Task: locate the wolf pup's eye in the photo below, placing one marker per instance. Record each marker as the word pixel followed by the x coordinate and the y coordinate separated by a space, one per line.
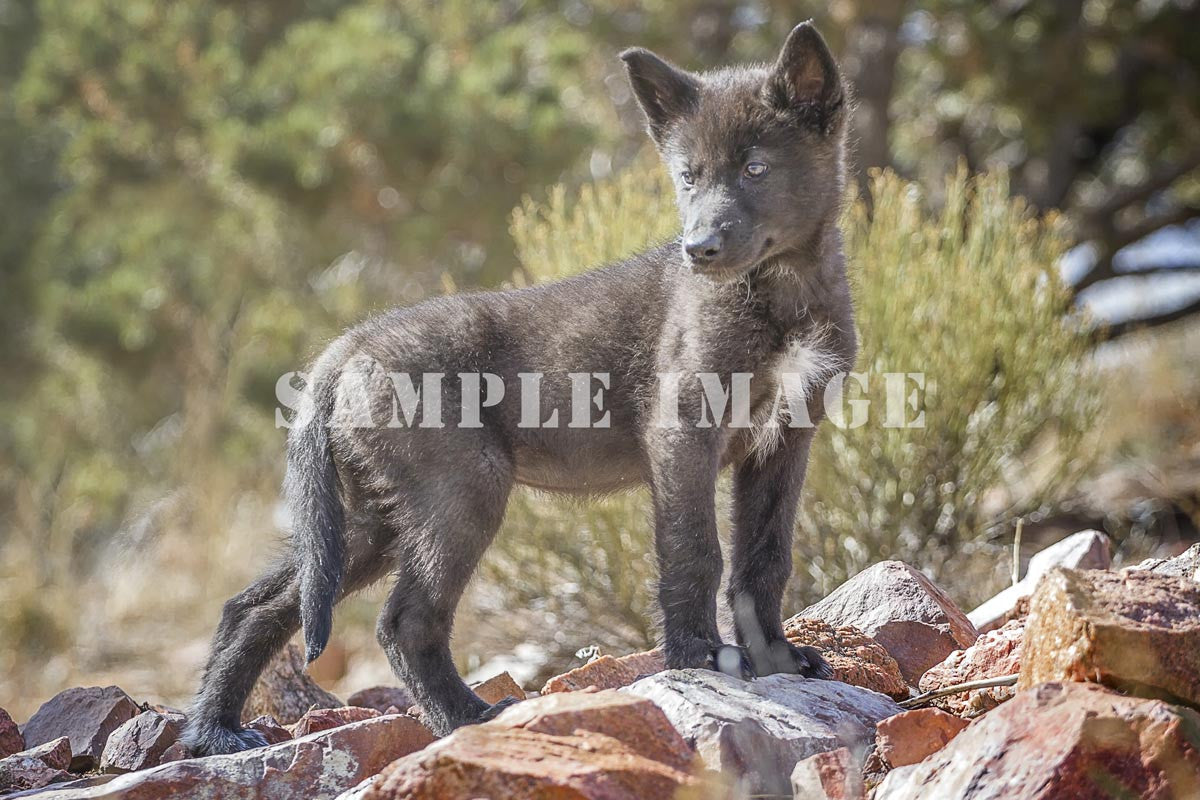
pixel 756 169
pixel 687 177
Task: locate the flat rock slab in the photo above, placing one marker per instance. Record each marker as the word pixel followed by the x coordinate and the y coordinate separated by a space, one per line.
pixel 995 654
pixel 1073 740
pixel 86 716
pixel 899 607
pixel 317 766
pixel 1135 631
pixel 285 691
pixel 587 744
pixel 756 731
pixel 855 658
pixel 1083 550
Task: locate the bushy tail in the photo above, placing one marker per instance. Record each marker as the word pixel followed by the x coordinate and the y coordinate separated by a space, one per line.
pixel 318 520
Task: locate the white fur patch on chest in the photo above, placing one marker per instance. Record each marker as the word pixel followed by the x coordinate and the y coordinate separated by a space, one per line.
pixel 804 367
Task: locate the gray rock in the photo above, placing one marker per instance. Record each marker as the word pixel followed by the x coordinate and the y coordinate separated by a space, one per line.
pixel 1184 565
pixel 899 607
pixel 1083 550
pixel 141 742
pixel 758 730
pixel 85 715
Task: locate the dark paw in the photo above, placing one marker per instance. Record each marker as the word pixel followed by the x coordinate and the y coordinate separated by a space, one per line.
pixel 782 656
pixel 734 661
pixel 496 709
pixel 215 740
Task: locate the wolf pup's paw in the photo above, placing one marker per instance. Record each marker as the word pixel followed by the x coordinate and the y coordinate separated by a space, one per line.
pixel 215 740
pixel 734 661
pixel 783 656
pixel 496 709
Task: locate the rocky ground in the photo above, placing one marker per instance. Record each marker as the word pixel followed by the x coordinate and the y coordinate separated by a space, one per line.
pixel 1079 682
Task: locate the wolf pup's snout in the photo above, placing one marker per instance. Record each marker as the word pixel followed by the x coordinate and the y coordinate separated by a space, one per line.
pixel 703 246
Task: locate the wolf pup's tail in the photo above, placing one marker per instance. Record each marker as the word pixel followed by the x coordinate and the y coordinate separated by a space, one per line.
pixel 318 518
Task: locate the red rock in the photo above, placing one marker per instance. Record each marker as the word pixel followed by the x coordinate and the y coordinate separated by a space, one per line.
pixel 322 719
pixel 497 688
pixel 901 609
pixel 1074 740
pixel 140 742
pixel 995 654
pixel 85 715
pixel 11 740
pixel 1136 631
pixel 382 698
pixel 856 658
pixel 579 745
pixel 36 767
pixel 915 735
pixel 832 775
pixel 1083 550
pixel 607 672
pixel 320 765
pixel 177 752
pixel 270 728
pixel 285 691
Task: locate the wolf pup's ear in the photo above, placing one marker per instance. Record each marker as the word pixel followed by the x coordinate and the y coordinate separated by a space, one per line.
pixel 805 81
pixel 664 91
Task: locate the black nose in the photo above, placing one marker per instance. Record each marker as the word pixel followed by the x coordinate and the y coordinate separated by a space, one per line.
pixel 702 247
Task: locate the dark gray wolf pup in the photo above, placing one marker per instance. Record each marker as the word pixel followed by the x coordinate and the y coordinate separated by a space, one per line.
pixel 755 285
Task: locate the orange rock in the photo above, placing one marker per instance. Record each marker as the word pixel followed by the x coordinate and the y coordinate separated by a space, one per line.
pixel 915 735
pixel 1135 631
pixel 580 745
pixel 832 775
pixel 1072 740
pixel 856 658
pixel 322 719
pixel 498 687
pixel 995 654
pixel 607 672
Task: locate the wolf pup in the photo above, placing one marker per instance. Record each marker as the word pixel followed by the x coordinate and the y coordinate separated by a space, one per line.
pixel 755 285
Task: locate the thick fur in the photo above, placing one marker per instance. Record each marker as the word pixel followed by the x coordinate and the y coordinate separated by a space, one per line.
pixel 765 294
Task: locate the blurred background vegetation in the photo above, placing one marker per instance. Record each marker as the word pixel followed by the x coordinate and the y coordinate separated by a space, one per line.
pixel 194 196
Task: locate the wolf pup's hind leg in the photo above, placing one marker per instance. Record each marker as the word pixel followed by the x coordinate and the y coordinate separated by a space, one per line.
pixel 255 625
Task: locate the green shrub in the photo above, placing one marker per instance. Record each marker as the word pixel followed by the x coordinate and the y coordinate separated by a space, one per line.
pixel 968 294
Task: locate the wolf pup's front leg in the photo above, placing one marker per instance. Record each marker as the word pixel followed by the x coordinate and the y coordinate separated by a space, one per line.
pixel 766 491
pixel 684 474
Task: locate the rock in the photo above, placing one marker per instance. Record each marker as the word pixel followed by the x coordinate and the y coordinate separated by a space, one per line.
pixel 856 658
pixel 497 688
pixel 574 745
pixel 833 775
pixel 85 715
pixel 178 752
pixel 1083 550
pixel 604 672
pixel 271 730
pixel 913 736
pixel 322 719
pixel 140 742
pixel 995 654
pixel 381 698
pixel 317 766
pixel 1135 631
pixel 11 740
pixel 901 609
pixel 1073 740
pixel 1184 565
pixel 645 663
pixel 758 730
pixel 36 767
pixel 285 691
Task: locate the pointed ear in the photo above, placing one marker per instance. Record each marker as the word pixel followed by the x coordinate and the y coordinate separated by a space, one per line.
pixel 805 80
pixel 664 91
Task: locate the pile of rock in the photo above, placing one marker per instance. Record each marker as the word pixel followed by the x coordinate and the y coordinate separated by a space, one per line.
pixel 1106 666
